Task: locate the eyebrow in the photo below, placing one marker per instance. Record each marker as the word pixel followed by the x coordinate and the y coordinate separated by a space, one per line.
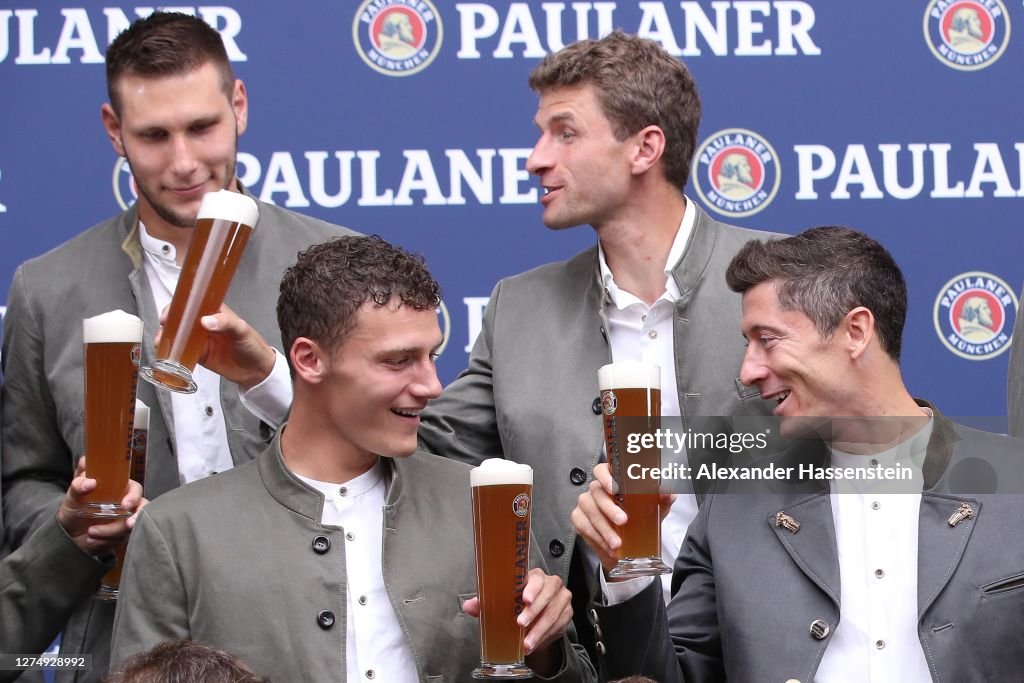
pixel 560 117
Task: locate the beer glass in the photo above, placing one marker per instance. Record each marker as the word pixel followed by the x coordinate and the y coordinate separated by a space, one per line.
pixel 631 398
pixel 223 226
pixel 111 582
pixel 112 348
pixel 501 522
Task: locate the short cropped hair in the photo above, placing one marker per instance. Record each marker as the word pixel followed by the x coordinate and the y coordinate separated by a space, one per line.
pixel 322 292
pixel 638 84
pixel 825 273
pixel 166 44
pixel 184 661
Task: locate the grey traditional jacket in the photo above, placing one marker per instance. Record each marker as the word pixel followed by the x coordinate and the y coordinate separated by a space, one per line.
pixel 237 561
pixel 42 405
pixel 40 584
pixel 754 601
pixel 530 393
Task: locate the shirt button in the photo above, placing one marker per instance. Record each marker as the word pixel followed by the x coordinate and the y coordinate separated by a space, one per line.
pixel 875 505
pixel 653 334
pixel 362 599
pixel 879 644
pixel 209 411
pixel 577 476
pixel 556 547
pixel 879 573
pixel 321 544
pixel 166 248
pixel 343 491
pixel 325 619
pixel 350 536
pixel 874 462
pixel 370 673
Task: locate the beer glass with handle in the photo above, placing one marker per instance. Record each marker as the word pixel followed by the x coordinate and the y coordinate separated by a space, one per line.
pixel 631 401
pixel 502 493
pixel 223 226
pixel 111 582
pixel 112 345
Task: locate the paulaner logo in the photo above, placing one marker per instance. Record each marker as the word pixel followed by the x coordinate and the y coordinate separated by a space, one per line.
pixel 975 314
pixel 966 34
pixel 397 37
pixel 736 172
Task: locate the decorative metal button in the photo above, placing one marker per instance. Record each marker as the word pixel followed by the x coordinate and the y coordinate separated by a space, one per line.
pixel 556 547
pixel 321 544
pixel 600 648
pixel 596 406
pixel 577 476
pixel 819 629
pixel 325 619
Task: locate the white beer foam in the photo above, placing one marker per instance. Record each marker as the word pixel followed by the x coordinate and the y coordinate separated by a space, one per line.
pixel 494 471
pixel 229 206
pixel 113 326
pixel 629 374
pixel 141 416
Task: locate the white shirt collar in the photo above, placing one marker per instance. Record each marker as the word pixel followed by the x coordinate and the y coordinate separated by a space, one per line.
pixel 163 252
pixel 350 489
pixel 675 255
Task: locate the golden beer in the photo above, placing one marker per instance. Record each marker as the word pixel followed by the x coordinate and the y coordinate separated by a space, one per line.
pixel 502 493
pixel 632 390
pixel 112 345
pixel 111 582
pixel 223 226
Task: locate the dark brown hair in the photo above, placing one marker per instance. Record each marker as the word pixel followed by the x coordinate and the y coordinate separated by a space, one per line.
pixel 184 661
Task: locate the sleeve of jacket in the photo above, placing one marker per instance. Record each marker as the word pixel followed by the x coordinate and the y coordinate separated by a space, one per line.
pixel 576 664
pixel 153 606
pixel 462 423
pixel 680 642
pixel 40 585
pixel 37 465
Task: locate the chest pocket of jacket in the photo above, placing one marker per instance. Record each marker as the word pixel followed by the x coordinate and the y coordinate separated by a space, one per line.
pixel 1009 584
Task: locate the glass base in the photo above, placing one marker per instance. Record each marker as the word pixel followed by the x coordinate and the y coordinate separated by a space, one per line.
pixel 170 375
pixel 107 593
pixel 103 511
pixel 639 566
pixel 507 671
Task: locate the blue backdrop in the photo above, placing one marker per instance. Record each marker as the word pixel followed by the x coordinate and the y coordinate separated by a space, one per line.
pixel 898 118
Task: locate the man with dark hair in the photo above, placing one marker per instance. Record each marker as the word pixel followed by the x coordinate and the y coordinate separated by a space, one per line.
pixel 175 114
pixel 618 122
pixel 340 553
pixel 184 661
pixel 846 577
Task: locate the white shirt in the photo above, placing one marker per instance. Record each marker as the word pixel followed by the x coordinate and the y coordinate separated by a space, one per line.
pixel 200 435
pixel 876 524
pixel 375 646
pixel 644 333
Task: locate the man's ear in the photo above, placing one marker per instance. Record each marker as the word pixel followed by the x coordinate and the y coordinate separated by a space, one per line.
pixel 309 360
pixel 859 326
pixel 112 124
pixel 650 146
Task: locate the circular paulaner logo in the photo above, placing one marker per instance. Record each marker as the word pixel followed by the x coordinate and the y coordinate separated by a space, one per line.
pixel 609 402
pixel 521 505
pixel 966 34
pixel 974 315
pixel 736 172
pixel 137 355
pixel 126 192
pixel 397 37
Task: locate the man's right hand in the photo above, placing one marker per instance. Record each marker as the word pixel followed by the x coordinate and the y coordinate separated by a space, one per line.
pixel 598 517
pixel 96 536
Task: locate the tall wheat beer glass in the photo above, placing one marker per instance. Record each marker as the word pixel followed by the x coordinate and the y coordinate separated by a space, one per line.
pixel 631 399
pixel 502 491
pixel 111 582
pixel 112 348
pixel 223 226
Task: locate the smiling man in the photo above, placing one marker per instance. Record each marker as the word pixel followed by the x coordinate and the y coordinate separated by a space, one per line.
pixel 175 113
pixel 839 580
pixel 340 554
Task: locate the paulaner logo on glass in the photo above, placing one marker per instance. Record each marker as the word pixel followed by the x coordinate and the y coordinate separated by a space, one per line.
pixel 675 441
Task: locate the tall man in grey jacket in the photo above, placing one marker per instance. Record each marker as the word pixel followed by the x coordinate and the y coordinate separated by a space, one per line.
pixel 340 554
pixel 618 122
pixel 833 579
pixel 175 113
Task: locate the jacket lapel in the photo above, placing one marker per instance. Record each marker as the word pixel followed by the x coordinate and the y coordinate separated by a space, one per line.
pixel 941 542
pixel 813 546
